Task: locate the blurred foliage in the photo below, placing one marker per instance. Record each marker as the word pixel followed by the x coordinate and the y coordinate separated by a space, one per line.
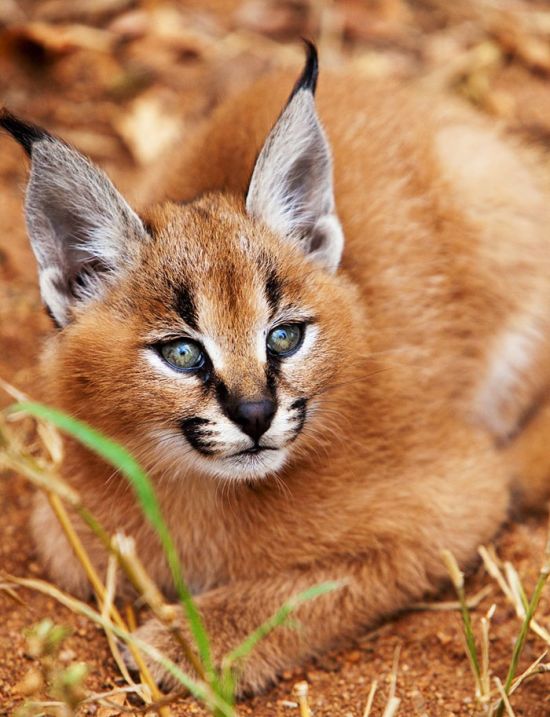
pixel 121 77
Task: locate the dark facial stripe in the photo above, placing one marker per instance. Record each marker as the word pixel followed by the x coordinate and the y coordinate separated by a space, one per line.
pixel 272 371
pixel 273 292
pixel 185 306
pixel 194 430
pixel 223 396
pixel 300 407
pixel 221 391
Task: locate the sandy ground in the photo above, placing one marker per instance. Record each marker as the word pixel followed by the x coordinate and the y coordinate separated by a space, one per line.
pixel 102 78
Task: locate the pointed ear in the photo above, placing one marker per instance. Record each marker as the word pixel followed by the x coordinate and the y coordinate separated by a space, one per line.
pixel 291 186
pixel 81 229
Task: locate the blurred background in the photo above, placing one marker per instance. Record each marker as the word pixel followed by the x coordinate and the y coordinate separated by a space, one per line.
pixel 125 79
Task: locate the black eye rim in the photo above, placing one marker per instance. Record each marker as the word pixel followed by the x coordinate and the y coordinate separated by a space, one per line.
pixel 158 346
pixel 300 325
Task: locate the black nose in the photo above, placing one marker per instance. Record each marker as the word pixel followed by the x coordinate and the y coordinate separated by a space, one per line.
pixel 254 417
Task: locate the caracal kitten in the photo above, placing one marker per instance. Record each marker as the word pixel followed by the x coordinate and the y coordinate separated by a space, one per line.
pixel 329 376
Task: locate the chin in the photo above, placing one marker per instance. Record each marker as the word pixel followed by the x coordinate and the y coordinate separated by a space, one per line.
pixel 164 455
pixel 245 467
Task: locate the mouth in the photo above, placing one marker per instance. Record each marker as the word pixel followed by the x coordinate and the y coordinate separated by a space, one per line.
pixel 254 462
pixel 253 451
pixel 249 464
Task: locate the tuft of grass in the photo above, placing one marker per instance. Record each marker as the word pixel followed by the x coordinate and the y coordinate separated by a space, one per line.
pixel 121 459
pixel 512 587
pixel 214 686
pixel 525 626
pixel 457 578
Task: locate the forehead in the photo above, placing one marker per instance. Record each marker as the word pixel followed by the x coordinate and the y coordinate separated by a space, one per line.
pixel 211 263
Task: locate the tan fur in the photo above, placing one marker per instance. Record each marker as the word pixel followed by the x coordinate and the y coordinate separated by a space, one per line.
pixel 433 348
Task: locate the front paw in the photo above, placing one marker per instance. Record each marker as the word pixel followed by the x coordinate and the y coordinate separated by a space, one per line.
pixel 155 634
pixel 255 674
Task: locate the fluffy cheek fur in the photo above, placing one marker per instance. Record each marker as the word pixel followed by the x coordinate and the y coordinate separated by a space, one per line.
pixel 154 402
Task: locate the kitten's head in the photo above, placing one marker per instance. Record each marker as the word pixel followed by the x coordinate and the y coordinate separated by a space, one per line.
pixel 205 335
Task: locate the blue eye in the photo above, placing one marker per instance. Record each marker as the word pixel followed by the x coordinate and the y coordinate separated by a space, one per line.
pixel 182 354
pixel 285 339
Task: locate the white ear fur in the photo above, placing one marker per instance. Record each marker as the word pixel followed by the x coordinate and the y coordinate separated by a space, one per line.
pixel 291 186
pixel 81 229
pixel 79 225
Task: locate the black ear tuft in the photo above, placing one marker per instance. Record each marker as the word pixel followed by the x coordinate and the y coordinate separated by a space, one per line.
pixel 308 78
pixel 25 134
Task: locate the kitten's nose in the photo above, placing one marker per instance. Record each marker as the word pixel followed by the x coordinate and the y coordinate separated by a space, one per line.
pixel 254 417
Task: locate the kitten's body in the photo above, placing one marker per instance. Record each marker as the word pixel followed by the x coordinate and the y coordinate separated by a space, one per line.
pixel 425 373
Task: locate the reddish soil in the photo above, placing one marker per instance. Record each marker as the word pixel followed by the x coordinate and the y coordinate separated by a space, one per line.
pixel 103 92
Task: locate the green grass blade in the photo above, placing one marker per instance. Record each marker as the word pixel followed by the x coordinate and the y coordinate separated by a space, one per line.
pixel 242 651
pixel 278 618
pixel 524 631
pixel 119 457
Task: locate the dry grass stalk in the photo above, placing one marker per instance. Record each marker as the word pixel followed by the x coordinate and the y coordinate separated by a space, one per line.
pixel 8 589
pixel 391 707
pixel 514 596
pixel 106 610
pixel 302 689
pixel 525 609
pixel 485 676
pixel 131 619
pixel 101 594
pixel 516 587
pixel 451 605
pixel 199 688
pixel 504 698
pixel 394 672
pixel 56 489
pixel 535 668
pixel 457 578
pixel 530 610
pixel 370 698
pixel 124 548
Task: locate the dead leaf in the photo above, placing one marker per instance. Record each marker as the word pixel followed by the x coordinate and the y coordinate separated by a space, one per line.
pixel 10 12
pixel 149 128
pixel 281 19
pixel 108 711
pixel 87 10
pixel 95 144
pixel 60 39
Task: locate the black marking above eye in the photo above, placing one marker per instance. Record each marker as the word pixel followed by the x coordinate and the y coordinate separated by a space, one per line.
pixel 194 429
pixel 273 290
pixel 185 306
